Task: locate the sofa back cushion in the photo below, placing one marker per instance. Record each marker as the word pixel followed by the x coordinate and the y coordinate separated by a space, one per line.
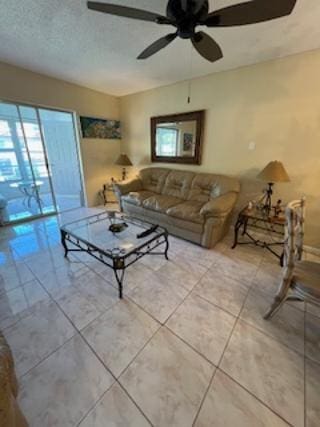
pixel 206 186
pixel 178 184
pixel 153 179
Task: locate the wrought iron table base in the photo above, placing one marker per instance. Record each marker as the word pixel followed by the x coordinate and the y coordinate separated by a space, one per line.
pixel 257 242
pixel 117 263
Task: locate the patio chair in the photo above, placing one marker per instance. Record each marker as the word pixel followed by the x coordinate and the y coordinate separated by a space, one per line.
pixel 301 279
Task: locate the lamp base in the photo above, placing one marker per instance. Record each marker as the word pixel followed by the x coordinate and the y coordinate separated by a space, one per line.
pixel 266 200
pixel 124 174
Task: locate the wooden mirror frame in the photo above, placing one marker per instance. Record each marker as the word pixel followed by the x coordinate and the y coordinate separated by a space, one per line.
pixel 197 116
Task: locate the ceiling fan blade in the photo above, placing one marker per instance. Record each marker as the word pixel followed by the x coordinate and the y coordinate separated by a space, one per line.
pixel 127 12
pixel 207 47
pixel 157 45
pixel 250 12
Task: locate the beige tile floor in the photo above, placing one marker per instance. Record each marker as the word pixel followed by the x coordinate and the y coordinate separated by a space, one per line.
pixel 186 347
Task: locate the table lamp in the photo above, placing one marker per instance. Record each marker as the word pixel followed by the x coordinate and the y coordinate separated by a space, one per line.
pixel 123 160
pixel 272 173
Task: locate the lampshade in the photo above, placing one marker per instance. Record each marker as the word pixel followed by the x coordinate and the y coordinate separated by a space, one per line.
pixel 123 160
pixel 274 172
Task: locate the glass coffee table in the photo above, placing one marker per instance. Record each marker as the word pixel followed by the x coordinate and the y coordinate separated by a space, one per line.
pixel 117 250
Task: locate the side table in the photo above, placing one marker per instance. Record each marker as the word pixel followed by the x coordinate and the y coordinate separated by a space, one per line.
pixel 105 193
pixel 255 219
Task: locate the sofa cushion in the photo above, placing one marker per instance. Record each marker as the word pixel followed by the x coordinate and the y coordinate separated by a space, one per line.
pixel 153 179
pixel 160 202
pixel 207 186
pixel 178 184
pixel 188 211
pixel 137 197
pixel 171 223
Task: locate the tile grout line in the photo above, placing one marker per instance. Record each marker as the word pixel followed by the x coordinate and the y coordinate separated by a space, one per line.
pixel 221 358
pixel 115 381
pixel 190 346
pixel 215 305
pixel 184 299
pixel 224 350
pixel 254 396
pixel 165 321
pixel 96 355
pixel 219 362
pixel 111 373
pixel 204 397
pixel 122 372
pixel 79 332
pixel 251 288
pixel 219 367
pixel 161 326
pixel 48 355
pixel 216 367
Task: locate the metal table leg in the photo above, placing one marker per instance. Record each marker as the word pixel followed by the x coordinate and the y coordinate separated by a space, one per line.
pixel 64 243
pixel 167 246
pixel 118 269
pixel 119 277
pixel 237 227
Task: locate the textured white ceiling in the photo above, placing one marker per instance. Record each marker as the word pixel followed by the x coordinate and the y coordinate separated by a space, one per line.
pixel 63 39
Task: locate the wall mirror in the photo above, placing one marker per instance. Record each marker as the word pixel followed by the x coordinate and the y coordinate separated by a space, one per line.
pixel 177 138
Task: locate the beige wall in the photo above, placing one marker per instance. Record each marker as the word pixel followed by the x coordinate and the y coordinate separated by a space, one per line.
pixel 98 155
pixel 276 105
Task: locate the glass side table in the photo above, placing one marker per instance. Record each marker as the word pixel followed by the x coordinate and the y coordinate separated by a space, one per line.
pixel 254 219
pixel 108 194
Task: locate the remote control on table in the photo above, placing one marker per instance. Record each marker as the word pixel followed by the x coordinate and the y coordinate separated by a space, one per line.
pixel 147 232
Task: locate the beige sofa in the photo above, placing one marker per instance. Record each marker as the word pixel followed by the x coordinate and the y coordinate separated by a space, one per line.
pixel 194 206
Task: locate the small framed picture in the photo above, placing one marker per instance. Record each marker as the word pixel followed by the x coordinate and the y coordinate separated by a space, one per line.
pixel 187 141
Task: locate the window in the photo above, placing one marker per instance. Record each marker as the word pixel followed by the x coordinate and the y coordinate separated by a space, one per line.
pixel 33 137
pixel 167 141
pixel 14 157
pixel 5 136
pixel 9 167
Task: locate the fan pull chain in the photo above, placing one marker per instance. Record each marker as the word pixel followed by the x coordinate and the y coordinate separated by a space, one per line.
pixel 190 75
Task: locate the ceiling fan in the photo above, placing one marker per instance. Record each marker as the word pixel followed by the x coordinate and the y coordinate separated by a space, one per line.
pixel 186 15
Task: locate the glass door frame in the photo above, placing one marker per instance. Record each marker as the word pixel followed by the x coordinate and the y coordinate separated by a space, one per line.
pixel 75 127
pixel 22 122
pixel 73 114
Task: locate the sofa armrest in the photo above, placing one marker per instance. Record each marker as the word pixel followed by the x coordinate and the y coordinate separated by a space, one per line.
pixel 219 206
pixel 126 187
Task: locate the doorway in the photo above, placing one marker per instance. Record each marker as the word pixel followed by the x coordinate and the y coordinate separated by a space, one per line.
pixel 39 164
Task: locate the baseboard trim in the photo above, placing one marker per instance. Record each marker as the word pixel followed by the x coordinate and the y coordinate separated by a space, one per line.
pixel 312 250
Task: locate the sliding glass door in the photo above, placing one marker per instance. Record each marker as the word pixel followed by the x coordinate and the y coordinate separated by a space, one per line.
pixel 25 183
pixel 64 164
pixel 39 164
